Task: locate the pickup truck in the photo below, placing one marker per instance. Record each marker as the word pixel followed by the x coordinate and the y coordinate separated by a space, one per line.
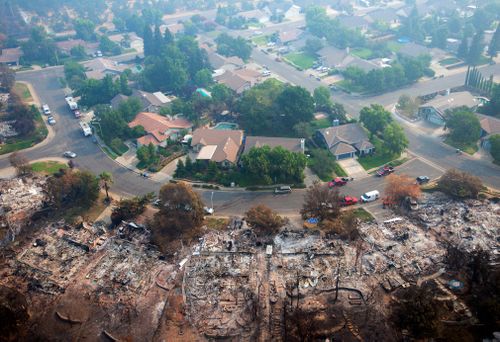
pixel 384 171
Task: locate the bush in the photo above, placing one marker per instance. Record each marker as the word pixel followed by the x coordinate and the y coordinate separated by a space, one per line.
pixel 460 184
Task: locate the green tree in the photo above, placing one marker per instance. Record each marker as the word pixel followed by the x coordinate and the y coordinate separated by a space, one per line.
pixel 168 38
pixel 203 78
pixel 74 73
pixel 494 46
pixel 108 46
pixel 84 29
pixel 147 37
pixel 375 118
pixel 222 95
pixel 464 126
pixel 322 99
pixel 78 52
pixel 476 49
pixel 495 146
pixel 130 208
pixel 7 78
pixel 229 46
pixel 395 140
pixel 463 48
pixel 313 45
pixel 297 104
pixel 106 179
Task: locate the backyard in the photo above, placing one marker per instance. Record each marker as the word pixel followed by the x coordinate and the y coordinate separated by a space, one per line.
pixel 302 60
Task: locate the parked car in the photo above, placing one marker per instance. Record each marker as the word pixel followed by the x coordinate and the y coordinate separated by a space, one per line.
pixel 370 196
pixel 338 182
pixel 69 154
pixel 384 171
pixel 46 109
pixel 422 179
pixel 283 190
pixel 348 200
pixel 277 59
pixel 51 120
pixel 208 211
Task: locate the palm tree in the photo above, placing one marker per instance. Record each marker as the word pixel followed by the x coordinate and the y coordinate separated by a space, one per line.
pixel 106 179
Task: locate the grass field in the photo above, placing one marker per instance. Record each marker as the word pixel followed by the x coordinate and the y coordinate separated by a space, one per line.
pixel 379 158
pixel 48 167
pixel 21 143
pixel 467 148
pixel 321 123
pixel 394 46
pixel 449 61
pixel 260 40
pixel 349 87
pixel 301 59
pixel 23 92
pixel 363 215
pixel 362 52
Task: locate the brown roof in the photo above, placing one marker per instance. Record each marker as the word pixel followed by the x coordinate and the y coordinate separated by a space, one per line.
pixel 99 67
pixel 239 80
pixel 289 35
pixel 228 143
pixel 290 144
pixel 158 125
pixel 489 124
pixel 10 55
pixel 67 45
pixel 149 139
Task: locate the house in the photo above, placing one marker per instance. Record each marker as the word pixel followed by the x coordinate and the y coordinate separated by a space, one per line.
pixel 66 45
pixel 434 110
pixel 239 80
pixel 11 56
pixel 341 59
pixel 159 128
pixel 228 63
pixel 290 144
pixel 489 126
pixel 388 16
pixel 220 146
pixel 177 28
pixel 345 141
pixel 151 102
pixel 98 68
pixel 255 15
pixel 128 40
pixel 354 22
pixel 413 50
pixel 293 13
pixel 288 36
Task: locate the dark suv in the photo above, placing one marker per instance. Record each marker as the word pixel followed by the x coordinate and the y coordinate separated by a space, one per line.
pixel 422 179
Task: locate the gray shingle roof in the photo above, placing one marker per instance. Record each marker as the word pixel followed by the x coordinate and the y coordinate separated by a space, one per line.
pixel 350 134
pixel 290 144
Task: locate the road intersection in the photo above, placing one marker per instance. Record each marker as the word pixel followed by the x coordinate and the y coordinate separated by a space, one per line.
pixel 428 155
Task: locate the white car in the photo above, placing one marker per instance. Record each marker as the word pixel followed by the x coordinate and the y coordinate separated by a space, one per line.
pixel 46 109
pixel 208 211
pixel 69 154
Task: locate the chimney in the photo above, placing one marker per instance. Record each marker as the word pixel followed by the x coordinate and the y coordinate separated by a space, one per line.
pixel 335 122
pixel 303 145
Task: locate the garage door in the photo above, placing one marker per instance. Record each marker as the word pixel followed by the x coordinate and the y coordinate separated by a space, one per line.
pixel 344 156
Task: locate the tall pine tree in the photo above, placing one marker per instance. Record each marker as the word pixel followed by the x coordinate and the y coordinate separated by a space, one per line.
pixel 148 41
pixel 476 49
pixel 495 43
pixel 463 49
pixel 157 41
pixel 168 38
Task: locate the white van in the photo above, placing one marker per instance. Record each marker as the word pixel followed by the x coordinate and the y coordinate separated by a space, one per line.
pixel 370 196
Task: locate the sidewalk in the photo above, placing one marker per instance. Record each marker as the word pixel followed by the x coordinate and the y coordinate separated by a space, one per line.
pixel 51 133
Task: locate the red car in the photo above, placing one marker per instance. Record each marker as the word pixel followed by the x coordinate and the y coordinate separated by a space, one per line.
pixel 337 182
pixel 384 171
pixel 348 200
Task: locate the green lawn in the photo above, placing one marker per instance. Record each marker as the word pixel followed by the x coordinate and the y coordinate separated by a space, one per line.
pixel 349 87
pixel 48 167
pixel 394 46
pixel 23 92
pixel 21 143
pixel 321 123
pixel 362 52
pixel 467 148
pixel 449 61
pixel 379 158
pixel 301 59
pixel 363 215
pixel 260 40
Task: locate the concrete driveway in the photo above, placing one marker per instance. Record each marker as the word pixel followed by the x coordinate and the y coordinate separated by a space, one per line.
pixel 353 168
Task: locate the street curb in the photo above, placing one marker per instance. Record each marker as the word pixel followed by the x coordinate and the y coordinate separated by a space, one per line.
pixel 51 133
